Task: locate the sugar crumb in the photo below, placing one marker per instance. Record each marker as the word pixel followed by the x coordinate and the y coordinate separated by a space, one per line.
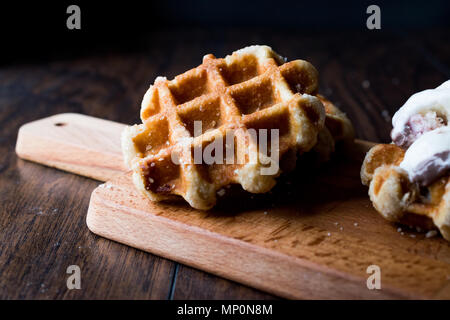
pixel 431 234
pixel 365 84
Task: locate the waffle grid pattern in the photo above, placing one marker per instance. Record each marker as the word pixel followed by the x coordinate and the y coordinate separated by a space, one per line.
pixel 251 89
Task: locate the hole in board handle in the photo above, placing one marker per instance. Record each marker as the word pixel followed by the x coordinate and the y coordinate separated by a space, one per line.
pixel 60 124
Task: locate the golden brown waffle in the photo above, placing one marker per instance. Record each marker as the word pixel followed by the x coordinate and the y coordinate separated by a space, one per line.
pixel 338 128
pixel 399 200
pixel 251 89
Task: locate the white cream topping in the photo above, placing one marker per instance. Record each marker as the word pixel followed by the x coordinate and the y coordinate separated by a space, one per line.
pixel 428 157
pixel 422 103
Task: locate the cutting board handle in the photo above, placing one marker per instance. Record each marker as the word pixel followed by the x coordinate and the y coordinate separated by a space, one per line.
pixel 73 142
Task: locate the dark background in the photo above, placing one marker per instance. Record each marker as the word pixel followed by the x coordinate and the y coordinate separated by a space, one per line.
pixel 37 29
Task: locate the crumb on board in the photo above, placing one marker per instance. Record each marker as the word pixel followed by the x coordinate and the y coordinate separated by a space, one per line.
pixel 365 84
pixel 431 234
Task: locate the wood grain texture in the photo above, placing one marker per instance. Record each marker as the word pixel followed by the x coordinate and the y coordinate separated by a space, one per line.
pixel 110 83
pixel 43 231
pixel 193 283
pixel 76 143
pixel 294 242
pixel 43 210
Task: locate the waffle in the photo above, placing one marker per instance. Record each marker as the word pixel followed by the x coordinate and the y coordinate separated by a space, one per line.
pixel 337 129
pixel 254 88
pixel 399 200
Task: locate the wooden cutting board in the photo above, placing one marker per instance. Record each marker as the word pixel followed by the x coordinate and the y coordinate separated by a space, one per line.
pixel 313 236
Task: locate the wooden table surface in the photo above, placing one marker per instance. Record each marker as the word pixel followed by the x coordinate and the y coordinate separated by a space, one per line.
pixel 369 74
